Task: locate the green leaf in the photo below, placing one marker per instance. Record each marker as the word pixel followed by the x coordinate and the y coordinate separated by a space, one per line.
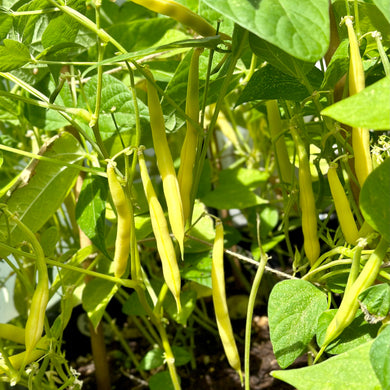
pixel 45 186
pixel 116 98
pixel 269 83
pixel 69 278
pixel 235 189
pixel 140 34
pixel 63 28
pixel 197 267
pixel 375 301
pixel 380 357
pixel 5 24
pixel 293 311
pixel 278 58
pixel 30 27
pixel 96 296
pixel 133 306
pixel 90 210
pixel 350 370
pixel 188 303
pixel 49 240
pixel 357 333
pixel 383 5
pixel 155 358
pixel 203 229
pixel 13 55
pixel 161 380
pixel 375 199
pixel 299 27
pixel 369 108
pixel 338 65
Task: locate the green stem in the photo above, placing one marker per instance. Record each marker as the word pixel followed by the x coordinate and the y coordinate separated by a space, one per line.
pixel 355 268
pixel 169 357
pixel 33 12
pixel 385 60
pixel 52 160
pixel 249 316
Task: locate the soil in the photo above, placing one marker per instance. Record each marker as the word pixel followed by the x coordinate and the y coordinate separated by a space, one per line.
pixel 211 372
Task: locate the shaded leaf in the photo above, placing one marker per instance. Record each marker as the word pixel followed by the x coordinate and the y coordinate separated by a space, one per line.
pixel 278 58
pixel 357 333
pixel 269 83
pixel 375 300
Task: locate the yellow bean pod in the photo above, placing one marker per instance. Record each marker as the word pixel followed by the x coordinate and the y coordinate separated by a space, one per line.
pixel 343 208
pixel 360 136
pixel 188 151
pixel 164 242
pixel 275 129
pixel 220 304
pixel 122 240
pixel 182 14
pixel 36 317
pixel 23 358
pixel 165 165
pixel 12 333
pixel 307 203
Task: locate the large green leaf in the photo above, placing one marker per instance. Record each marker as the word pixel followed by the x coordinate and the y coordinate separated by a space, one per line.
pixel 45 188
pixel 350 370
pixel 299 27
pixel 369 108
pixel 375 199
pixel 13 55
pixel 293 310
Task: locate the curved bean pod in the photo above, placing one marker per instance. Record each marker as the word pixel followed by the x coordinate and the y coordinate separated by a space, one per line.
pixel 220 304
pixel 122 240
pixel 164 242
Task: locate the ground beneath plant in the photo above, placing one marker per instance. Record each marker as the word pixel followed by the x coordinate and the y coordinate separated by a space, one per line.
pixel 210 371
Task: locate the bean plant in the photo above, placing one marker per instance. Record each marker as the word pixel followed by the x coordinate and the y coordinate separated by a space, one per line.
pixel 165 157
